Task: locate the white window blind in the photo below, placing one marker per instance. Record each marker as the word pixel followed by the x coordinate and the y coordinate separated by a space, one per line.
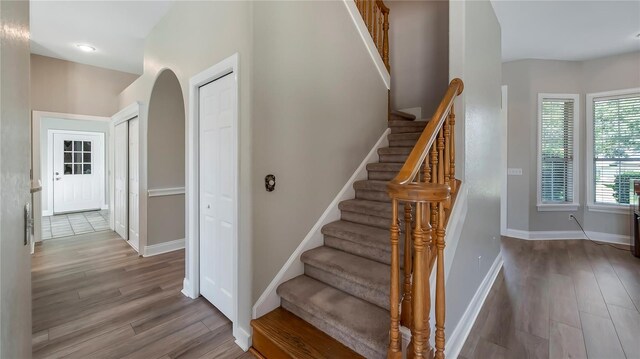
pixel 616 148
pixel 556 150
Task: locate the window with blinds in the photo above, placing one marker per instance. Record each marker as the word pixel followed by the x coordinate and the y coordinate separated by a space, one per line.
pixel 616 148
pixel 556 150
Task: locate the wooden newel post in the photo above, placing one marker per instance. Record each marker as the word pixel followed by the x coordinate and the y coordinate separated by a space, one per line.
pixel 395 340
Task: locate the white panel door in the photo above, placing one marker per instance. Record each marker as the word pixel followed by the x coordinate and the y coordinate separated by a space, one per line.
pixel 218 144
pixel 121 178
pixel 78 172
pixel 134 183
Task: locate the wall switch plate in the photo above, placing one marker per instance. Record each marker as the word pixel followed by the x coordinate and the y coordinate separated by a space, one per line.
pixel 514 171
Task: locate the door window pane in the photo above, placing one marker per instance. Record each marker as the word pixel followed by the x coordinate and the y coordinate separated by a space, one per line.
pixel 77 145
pixel 87 157
pixel 68 169
pixel 67 157
pixel 67 146
pixel 77 157
pixel 77 169
pixel 87 169
pixel 87 146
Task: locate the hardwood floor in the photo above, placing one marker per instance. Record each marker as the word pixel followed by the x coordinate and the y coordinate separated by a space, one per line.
pixel 93 297
pixel 560 299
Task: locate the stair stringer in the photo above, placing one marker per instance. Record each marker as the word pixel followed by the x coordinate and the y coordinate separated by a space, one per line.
pixel 293 267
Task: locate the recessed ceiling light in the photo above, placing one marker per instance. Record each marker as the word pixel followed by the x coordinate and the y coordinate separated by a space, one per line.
pixel 86 48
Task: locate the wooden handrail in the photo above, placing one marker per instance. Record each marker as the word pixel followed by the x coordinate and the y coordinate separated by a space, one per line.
pixel 376 16
pixel 419 153
pixel 430 191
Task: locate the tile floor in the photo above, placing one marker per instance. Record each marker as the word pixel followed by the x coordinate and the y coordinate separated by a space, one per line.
pixel 65 225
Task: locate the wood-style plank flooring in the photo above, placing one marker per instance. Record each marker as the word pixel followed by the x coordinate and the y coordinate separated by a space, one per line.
pixel 93 297
pixel 560 299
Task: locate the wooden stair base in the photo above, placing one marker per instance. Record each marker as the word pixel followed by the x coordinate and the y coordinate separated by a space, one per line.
pixel 281 334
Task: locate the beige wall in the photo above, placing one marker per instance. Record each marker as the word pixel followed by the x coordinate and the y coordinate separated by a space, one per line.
pixel 419 53
pixel 15 260
pixel 69 87
pixel 479 45
pixel 192 37
pixel 319 107
pixel 166 166
pixel 527 78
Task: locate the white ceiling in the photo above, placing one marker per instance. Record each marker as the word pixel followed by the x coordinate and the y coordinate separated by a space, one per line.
pixel 116 29
pixel 567 30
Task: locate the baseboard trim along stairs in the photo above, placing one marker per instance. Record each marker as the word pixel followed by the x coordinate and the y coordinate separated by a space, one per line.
pixel 337 280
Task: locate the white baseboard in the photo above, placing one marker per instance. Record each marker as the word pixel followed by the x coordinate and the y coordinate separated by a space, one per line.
pixel 461 331
pixel 187 289
pixel 243 339
pixel 160 248
pixel 269 300
pixel 560 235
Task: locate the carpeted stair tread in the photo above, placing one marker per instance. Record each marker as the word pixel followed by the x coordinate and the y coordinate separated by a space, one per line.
pixel 394 151
pixel 358 276
pixel 384 167
pixel 358 233
pixel 370 185
pixel 407 126
pixel 360 325
pixel 370 208
pixel 401 116
pixel 404 136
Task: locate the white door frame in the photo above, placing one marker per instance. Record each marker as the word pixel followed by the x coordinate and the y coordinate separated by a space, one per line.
pixel 192 274
pixel 504 116
pixel 51 163
pixel 126 114
pixel 36 161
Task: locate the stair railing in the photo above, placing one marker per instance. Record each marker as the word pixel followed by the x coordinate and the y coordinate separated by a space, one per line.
pixel 427 183
pixel 376 16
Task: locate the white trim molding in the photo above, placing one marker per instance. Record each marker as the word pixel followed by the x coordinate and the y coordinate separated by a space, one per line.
pixel 463 328
pixel 269 300
pixel 162 192
pixel 575 204
pixel 565 235
pixel 165 247
pixel 592 206
pixel 368 41
pixel 230 65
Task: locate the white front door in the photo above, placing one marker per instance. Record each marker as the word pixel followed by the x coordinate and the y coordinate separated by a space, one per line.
pixel 217 163
pixel 121 179
pixel 78 171
pixel 134 183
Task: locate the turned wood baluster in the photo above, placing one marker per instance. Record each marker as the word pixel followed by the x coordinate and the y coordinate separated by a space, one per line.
pixel 420 279
pixel 447 151
pixel 440 142
pixel 374 33
pixel 452 145
pixel 440 295
pixel 395 340
pixel 385 43
pixel 405 318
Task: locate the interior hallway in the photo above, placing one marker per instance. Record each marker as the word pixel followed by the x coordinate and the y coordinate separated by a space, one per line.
pixel 560 299
pixel 93 297
pixel 65 225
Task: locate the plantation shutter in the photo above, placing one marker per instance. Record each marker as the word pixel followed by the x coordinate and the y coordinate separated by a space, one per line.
pixel 557 150
pixel 616 147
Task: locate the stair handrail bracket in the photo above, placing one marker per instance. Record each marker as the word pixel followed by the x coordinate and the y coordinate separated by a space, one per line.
pixel 425 185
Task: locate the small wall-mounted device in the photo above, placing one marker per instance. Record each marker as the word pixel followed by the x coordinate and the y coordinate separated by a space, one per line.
pixel 270 183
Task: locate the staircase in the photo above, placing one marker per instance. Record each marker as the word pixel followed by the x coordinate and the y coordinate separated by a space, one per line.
pixel 345 289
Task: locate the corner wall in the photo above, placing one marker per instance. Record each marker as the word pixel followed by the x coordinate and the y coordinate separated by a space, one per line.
pixel 525 79
pixel 476 58
pixel 69 87
pixel 319 107
pixel 419 53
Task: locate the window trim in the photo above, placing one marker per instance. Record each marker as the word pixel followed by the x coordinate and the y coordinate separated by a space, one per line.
pixel 591 203
pixel 575 204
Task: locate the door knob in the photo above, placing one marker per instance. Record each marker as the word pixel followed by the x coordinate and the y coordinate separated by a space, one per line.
pixel 58 178
pixel 208 206
pixel 57 173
